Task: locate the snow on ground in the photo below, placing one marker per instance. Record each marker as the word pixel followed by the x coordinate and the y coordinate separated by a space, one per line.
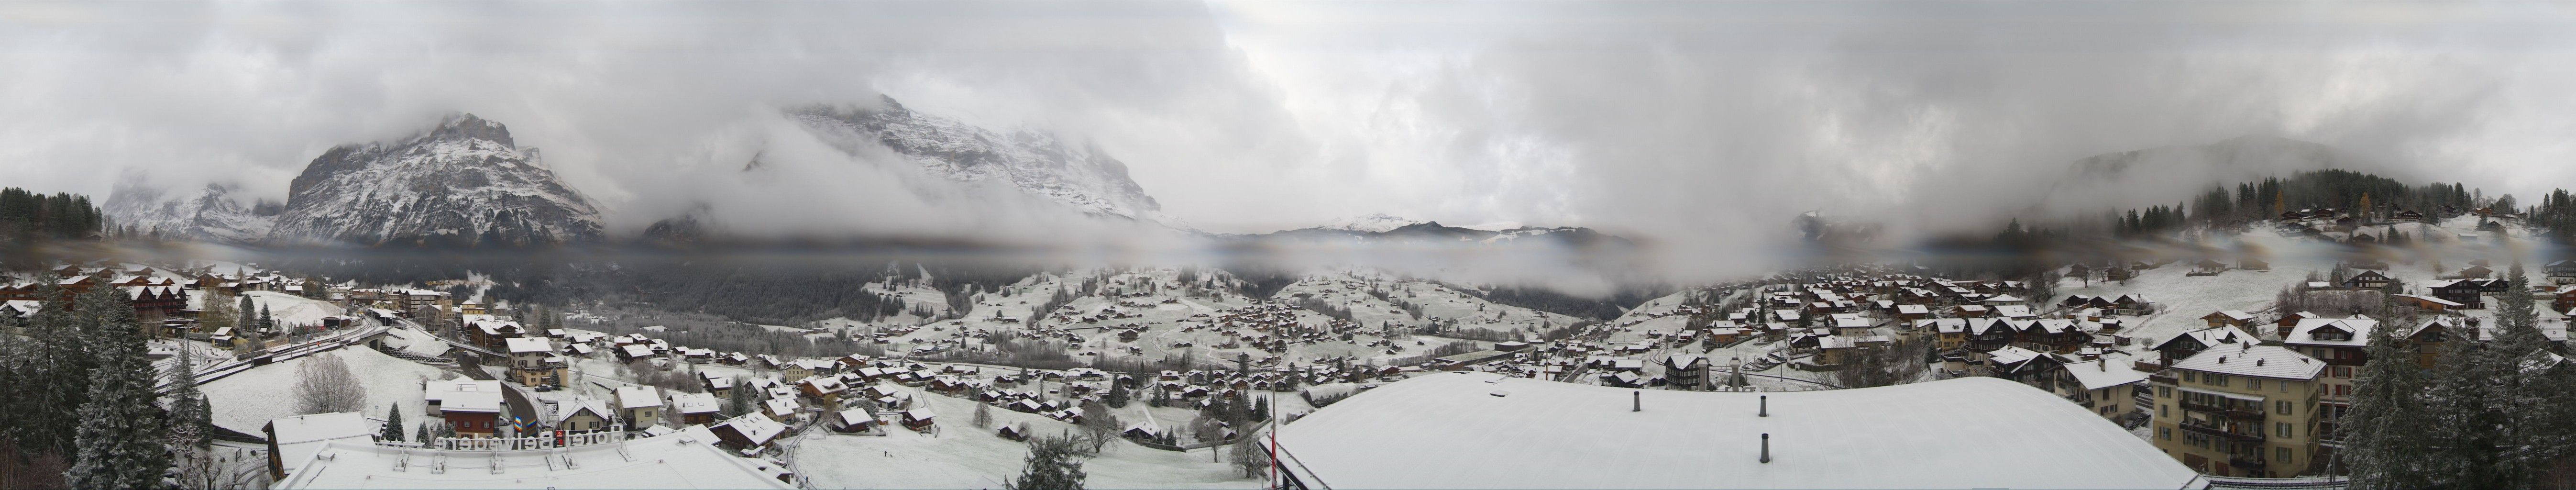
pixel 244 401
pixel 418 342
pixel 290 309
pixel 962 456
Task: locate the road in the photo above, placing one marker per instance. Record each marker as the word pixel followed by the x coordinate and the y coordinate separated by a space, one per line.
pixel 521 407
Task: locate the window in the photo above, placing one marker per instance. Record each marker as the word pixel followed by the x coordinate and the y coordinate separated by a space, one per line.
pixel 2187 376
pixel 2283 453
pixel 2165 433
pixel 2282 407
pixel 2254 383
pixel 2164 391
pixel 2282 429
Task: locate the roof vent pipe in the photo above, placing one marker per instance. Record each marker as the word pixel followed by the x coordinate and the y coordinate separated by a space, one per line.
pixel 1638 399
pixel 1766 448
pixel 1766 407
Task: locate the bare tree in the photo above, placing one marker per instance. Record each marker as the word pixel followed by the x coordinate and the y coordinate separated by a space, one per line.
pixel 983 415
pixel 203 468
pixel 1099 425
pixel 1210 431
pixel 324 385
pixel 1249 456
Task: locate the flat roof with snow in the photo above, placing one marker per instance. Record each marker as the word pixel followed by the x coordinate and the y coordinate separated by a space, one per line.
pixel 685 459
pixel 1452 430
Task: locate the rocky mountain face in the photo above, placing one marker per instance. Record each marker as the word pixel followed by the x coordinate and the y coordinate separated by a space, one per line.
pixel 1035 162
pixel 210 213
pixel 463 183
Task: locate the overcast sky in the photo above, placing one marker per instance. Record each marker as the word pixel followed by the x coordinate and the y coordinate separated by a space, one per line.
pixel 1696 123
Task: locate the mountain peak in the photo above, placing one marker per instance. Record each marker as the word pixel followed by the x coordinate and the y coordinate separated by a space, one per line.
pixel 1034 161
pixel 1372 222
pixel 464 126
pixel 463 182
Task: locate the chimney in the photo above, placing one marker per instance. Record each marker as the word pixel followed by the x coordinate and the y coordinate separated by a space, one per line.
pixel 1766 448
pixel 2258 363
pixel 1766 407
pixel 1639 399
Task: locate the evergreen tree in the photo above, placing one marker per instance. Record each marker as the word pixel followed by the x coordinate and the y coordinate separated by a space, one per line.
pixel 1117 396
pixel 119 441
pixel 247 311
pixel 393 425
pixel 267 323
pixel 58 362
pixel 1051 465
pixel 2462 450
pixel 191 417
pixel 2386 426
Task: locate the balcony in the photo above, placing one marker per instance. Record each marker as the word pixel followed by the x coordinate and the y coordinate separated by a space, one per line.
pixel 2231 411
pixel 2162 378
pixel 2246 462
pixel 2223 430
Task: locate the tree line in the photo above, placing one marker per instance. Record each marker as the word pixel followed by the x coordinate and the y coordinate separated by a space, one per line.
pixel 83 397
pixel 2494 414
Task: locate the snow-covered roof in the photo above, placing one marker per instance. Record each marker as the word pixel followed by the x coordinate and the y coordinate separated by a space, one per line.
pixel 2359 328
pixel 757 428
pixel 1451 430
pixel 2262 361
pixel 684 459
pixel 687 403
pixel 528 345
pixel 2106 372
pixel 638 397
pixel 568 409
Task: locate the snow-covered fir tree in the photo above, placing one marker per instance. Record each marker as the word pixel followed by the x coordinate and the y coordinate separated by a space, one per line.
pixel 120 437
pixel 2386 426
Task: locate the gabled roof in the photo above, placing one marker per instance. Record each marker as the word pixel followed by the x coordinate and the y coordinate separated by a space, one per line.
pixel 2262 361
pixel 2106 372
pixel 2213 337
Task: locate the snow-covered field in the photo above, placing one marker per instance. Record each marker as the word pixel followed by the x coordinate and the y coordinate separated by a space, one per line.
pixel 290 309
pixel 246 400
pixel 962 456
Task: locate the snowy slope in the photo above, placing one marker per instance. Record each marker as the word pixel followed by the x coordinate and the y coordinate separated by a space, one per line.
pixel 1034 161
pixel 464 183
pixel 211 213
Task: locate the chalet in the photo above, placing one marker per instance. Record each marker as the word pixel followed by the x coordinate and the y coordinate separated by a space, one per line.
pixel 2108 386
pixel 1988 334
pixel 747 434
pixel 2563 298
pixel 2209 266
pixel 472 408
pixel 850 421
pixel 920 420
pixel 2183 346
pixel 2228 318
pixel 695 408
pixel 1946 333
pixel 581 416
pixel 2367 280
pixel 2561 272
pixel 1687 370
pixel 2466 292
pixel 534 362
pixel 639 406
pixel 2476 272
pixel 1969 311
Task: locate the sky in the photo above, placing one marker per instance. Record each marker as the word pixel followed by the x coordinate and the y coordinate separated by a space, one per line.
pixel 1701 125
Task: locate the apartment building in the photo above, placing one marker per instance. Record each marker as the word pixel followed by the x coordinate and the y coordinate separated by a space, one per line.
pixel 2240 410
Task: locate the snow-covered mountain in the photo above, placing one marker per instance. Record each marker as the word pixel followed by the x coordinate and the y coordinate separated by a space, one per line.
pixel 1372 222
pixel 464 182
pixel 1034 161
pixel 210 213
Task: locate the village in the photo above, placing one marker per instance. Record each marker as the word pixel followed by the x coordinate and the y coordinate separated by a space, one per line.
pixel 2172 348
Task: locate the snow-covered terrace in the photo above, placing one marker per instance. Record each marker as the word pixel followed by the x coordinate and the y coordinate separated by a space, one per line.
pixel 1463 430
pixel 687 459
